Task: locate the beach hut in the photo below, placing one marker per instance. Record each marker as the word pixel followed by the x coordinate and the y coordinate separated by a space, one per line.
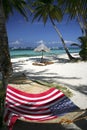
pixel 42 48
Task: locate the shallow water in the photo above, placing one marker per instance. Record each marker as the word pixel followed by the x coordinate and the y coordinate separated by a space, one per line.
pixel 28 53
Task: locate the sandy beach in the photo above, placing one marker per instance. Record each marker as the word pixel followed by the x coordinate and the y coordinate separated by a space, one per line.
pixel 69 74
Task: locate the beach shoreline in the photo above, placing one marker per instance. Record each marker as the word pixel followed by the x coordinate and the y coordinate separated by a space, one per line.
pixel 72 75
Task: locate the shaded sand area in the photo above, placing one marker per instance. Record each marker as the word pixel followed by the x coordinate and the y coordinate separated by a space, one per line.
pixel 61 71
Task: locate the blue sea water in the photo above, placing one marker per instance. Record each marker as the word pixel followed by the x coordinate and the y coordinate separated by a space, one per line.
pixel 28 53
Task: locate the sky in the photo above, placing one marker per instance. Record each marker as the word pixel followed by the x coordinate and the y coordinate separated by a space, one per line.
pixel 22 33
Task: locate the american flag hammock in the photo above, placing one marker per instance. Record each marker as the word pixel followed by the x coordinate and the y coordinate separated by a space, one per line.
pixel 35 107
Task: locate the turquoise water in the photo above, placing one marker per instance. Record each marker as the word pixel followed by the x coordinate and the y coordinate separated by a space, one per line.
pixel 28 53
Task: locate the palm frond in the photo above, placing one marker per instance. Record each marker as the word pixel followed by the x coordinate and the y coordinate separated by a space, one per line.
pixel 75 44
pixel 46 9
pixel 19 5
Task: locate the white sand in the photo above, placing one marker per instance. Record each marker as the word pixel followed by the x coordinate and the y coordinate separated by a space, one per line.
pixel 72 75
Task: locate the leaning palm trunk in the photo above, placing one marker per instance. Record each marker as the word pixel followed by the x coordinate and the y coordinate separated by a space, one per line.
pixel 61 38
pixel 5 64
pixel 85 27
pixel 82 23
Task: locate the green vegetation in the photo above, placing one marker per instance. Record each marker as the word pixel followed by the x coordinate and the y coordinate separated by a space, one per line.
pixel 76 9
pixel 80 14
pixel 2 97
pixel 65 90
pixel 83 52
pixel 23 80
pixel 83 47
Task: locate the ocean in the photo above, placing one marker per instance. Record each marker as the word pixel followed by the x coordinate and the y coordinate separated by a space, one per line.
pixel 28 53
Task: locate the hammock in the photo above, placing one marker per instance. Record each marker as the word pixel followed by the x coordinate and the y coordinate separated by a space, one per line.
pixel 35 107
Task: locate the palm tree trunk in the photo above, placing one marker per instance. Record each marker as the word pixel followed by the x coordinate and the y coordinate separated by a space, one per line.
pixel 4 80
pixel 82 23
pixel 5 63
pixel 61 38
pixel 85 26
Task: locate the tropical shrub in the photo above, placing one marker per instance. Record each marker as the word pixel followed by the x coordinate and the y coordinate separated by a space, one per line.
pixel 2 96
pixel 83 52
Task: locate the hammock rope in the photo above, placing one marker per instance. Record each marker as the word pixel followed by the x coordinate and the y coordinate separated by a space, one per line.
pixel 68 121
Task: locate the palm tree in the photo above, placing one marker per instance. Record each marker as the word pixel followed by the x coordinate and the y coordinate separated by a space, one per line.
pixel 48 9
pixel 76 9
pixel 83 51
pixel 82 46
pixel 6 8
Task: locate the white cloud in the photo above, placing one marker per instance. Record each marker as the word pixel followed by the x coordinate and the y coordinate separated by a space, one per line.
pixel 40 42
pixel 17 42
pixel 53 42
pixel 69 42
pixel 59 42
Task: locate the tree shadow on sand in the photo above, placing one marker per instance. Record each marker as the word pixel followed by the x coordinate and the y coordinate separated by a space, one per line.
pixel 43 76
pixel 80 124
pixel 37 126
